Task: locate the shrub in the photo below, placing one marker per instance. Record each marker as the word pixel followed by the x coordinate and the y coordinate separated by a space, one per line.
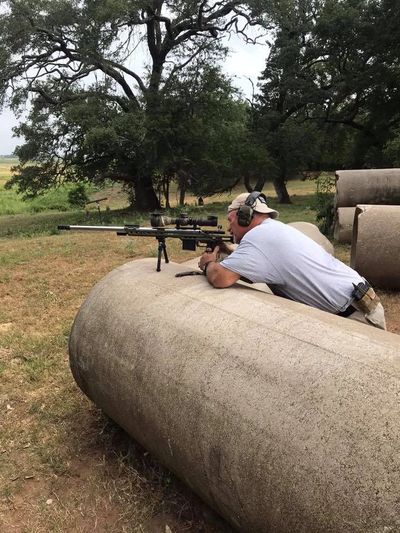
pixel 78 197
pixel 324 203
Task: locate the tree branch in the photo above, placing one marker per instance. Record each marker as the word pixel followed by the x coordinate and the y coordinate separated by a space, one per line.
pixel 138 79
pixel 110 71
pixel 181 66
pixel 67 98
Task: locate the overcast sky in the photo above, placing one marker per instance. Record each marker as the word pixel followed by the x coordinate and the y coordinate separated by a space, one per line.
pixel 245 61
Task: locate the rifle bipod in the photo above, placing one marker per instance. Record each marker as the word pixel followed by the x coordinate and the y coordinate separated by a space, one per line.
pixel 162 249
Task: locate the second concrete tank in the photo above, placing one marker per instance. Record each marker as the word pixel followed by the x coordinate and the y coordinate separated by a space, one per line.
pixel 343 230
pixel 312 231
pixel 371 186
pixel 375 250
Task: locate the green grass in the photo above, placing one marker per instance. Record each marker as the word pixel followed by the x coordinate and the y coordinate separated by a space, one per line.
pixel 41 215
pixel 13 203
pixel 26 225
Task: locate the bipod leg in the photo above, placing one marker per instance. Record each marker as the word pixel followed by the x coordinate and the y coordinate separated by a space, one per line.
pixel 165 252
pixel 162 249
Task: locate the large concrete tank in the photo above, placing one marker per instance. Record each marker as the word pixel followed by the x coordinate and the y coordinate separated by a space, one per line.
pixel 312 231
pixel 375 249
pixel 371 186
pixel 282 417
pixel 343 230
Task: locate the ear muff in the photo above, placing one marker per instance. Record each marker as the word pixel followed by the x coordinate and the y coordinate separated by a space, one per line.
pixel 245 213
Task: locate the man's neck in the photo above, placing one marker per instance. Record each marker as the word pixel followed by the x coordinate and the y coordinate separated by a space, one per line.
pixel 259 219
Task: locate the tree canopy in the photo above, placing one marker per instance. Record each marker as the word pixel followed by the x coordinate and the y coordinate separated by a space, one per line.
pixel 329 92
pixel 75 61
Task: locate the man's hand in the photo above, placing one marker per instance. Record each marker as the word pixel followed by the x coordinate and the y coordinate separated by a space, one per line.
pixel 208 256
pixel 227 247
pixel 218 276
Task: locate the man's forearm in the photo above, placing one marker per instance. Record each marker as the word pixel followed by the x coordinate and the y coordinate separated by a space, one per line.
pixel 220 277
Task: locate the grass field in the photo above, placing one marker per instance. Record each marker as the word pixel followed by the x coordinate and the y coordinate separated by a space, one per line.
pixel 63 465
pixel 12 203
pixel 42 214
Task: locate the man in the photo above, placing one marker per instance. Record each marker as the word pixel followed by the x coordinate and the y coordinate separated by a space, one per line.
pixel 290 263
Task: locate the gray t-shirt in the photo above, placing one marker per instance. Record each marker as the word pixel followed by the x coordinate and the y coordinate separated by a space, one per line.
pixel 293 266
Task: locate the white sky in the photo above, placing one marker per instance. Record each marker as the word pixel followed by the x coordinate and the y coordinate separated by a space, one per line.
pixel 245 61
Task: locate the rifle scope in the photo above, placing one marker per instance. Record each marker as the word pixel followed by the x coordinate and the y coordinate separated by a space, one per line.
pixel 157 220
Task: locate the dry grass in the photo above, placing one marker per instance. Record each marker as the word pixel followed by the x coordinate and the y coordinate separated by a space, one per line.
pixel 63 465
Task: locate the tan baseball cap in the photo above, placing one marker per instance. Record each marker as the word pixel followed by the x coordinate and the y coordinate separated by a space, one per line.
pixel 259 205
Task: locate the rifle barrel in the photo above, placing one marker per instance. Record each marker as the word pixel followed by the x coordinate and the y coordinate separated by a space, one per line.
pixel 91 228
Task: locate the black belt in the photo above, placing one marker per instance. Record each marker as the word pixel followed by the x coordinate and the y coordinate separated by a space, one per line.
pixel 347 312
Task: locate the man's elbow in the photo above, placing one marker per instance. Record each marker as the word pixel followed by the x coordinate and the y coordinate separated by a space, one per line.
pixel 220 283
pixel 221 278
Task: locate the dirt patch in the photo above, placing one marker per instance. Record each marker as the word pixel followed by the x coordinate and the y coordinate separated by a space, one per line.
pixel 391 303
pixel 109 483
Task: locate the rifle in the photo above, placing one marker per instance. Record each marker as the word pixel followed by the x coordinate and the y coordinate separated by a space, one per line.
pixel 187 229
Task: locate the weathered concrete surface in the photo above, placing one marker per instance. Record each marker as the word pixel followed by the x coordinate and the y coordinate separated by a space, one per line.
pixel 371 186
pixel 312 231
pixel 375 250
pixel 343 230
pixel 282 417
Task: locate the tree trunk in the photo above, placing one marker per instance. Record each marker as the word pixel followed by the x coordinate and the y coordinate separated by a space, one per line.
pixel 182 192
pixel 145 195
pixel 182 185
pixel 281 191
pixel 247 184
pixel 165 187
pixel 260 182
pixel 259 185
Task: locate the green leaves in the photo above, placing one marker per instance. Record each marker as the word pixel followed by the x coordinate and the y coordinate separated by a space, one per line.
pixel 332 73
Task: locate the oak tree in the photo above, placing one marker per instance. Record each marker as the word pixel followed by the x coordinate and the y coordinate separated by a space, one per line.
pixel 78 58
